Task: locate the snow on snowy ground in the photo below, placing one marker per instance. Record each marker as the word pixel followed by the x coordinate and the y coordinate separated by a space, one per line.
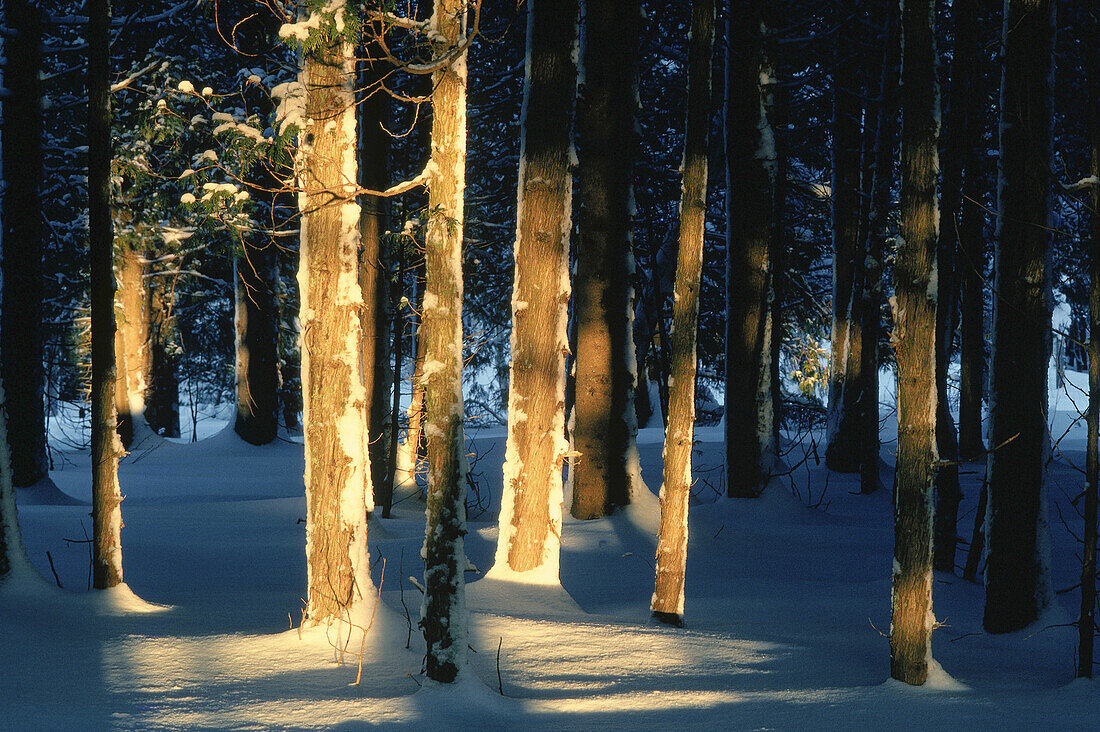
pixel 785 605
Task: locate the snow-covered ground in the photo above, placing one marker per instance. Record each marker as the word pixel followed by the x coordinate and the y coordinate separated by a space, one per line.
pixel 787 607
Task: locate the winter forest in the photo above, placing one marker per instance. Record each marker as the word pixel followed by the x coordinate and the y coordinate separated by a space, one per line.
pixel 542 364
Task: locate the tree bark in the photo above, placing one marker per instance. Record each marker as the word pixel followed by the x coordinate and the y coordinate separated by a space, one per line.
pixel 106 495
pixel 842 449
pixel 21 299
pixel 12 554
pixel 750 232
pixel 605 425
pixel 257 275
pixel 668 591
pixel 337 463
pixel 131 342
pixel 443 615
pixel 1017 579
pixel 530 515
pixel 914 337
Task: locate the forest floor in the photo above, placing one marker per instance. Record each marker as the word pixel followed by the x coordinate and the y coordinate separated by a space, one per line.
pixel 787 607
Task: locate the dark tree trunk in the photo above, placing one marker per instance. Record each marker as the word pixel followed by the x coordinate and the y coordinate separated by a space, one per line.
pixel 750 236
pixel 672 539
pixel 530 514
pixel 842 451
pixel 11 543
pixel 1086 621
pixel 163 408
pixel 106 496
pixel 885 154
pixel 957 137
pixel 21 300
pixel 604 420
pixel 915 338
pixel 1017 582
pixel 374 146
pixel 257 271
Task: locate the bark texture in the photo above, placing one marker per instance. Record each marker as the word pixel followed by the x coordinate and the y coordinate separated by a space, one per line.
pixel 1017 582
pixel 443 614
pixel 605 426
pixel 668 591
pixel 914 337
pixel 750 230
pixel 540 295
pixel 131 341
pixel 257 322
pixel 337 464
pixel 21 299
pixel 106 448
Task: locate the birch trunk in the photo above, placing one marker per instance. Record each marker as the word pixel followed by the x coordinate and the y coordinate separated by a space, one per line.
pixel 106 495
pixel 605 424
pixel 914 337
pixel 443 613
pixel 530 514
pixel 337 464
pixel 668 591
pixel 1017 584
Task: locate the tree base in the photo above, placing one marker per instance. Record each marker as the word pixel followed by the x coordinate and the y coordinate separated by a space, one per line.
pixel 673 619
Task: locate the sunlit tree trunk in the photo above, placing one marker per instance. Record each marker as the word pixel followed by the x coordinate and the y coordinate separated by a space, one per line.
pixel 337 464
pixel 842 451
pixel 885 154
pixel 750 229
pixel 1017 582
pixel 131 342
pixel 21 263
pixel 530 515
pixel 106 448
pixel 412 448
pixel 443 614
pixel 604 422
pixel 914 337
pixel 668 592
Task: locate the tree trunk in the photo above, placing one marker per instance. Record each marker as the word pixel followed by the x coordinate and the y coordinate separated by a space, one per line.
pixel 378 378
pixel 957 138
pixel 163 409
pixel 668 591
pixel 12 554
pixel 106 495
pixel 443 614
pixel 914 337
pixel 530 514
pixel 257 274
pixel 413 446
pixel 1017 578
pixel 878 216
pixel 842 449
pixel 21 264
pixel 750 232
pixel 337 464
pixel 605 425
pixel 1086 621
pixel 131 342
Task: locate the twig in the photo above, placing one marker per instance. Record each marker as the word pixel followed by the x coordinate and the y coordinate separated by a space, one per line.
pixel 500 681
pixel 55 577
